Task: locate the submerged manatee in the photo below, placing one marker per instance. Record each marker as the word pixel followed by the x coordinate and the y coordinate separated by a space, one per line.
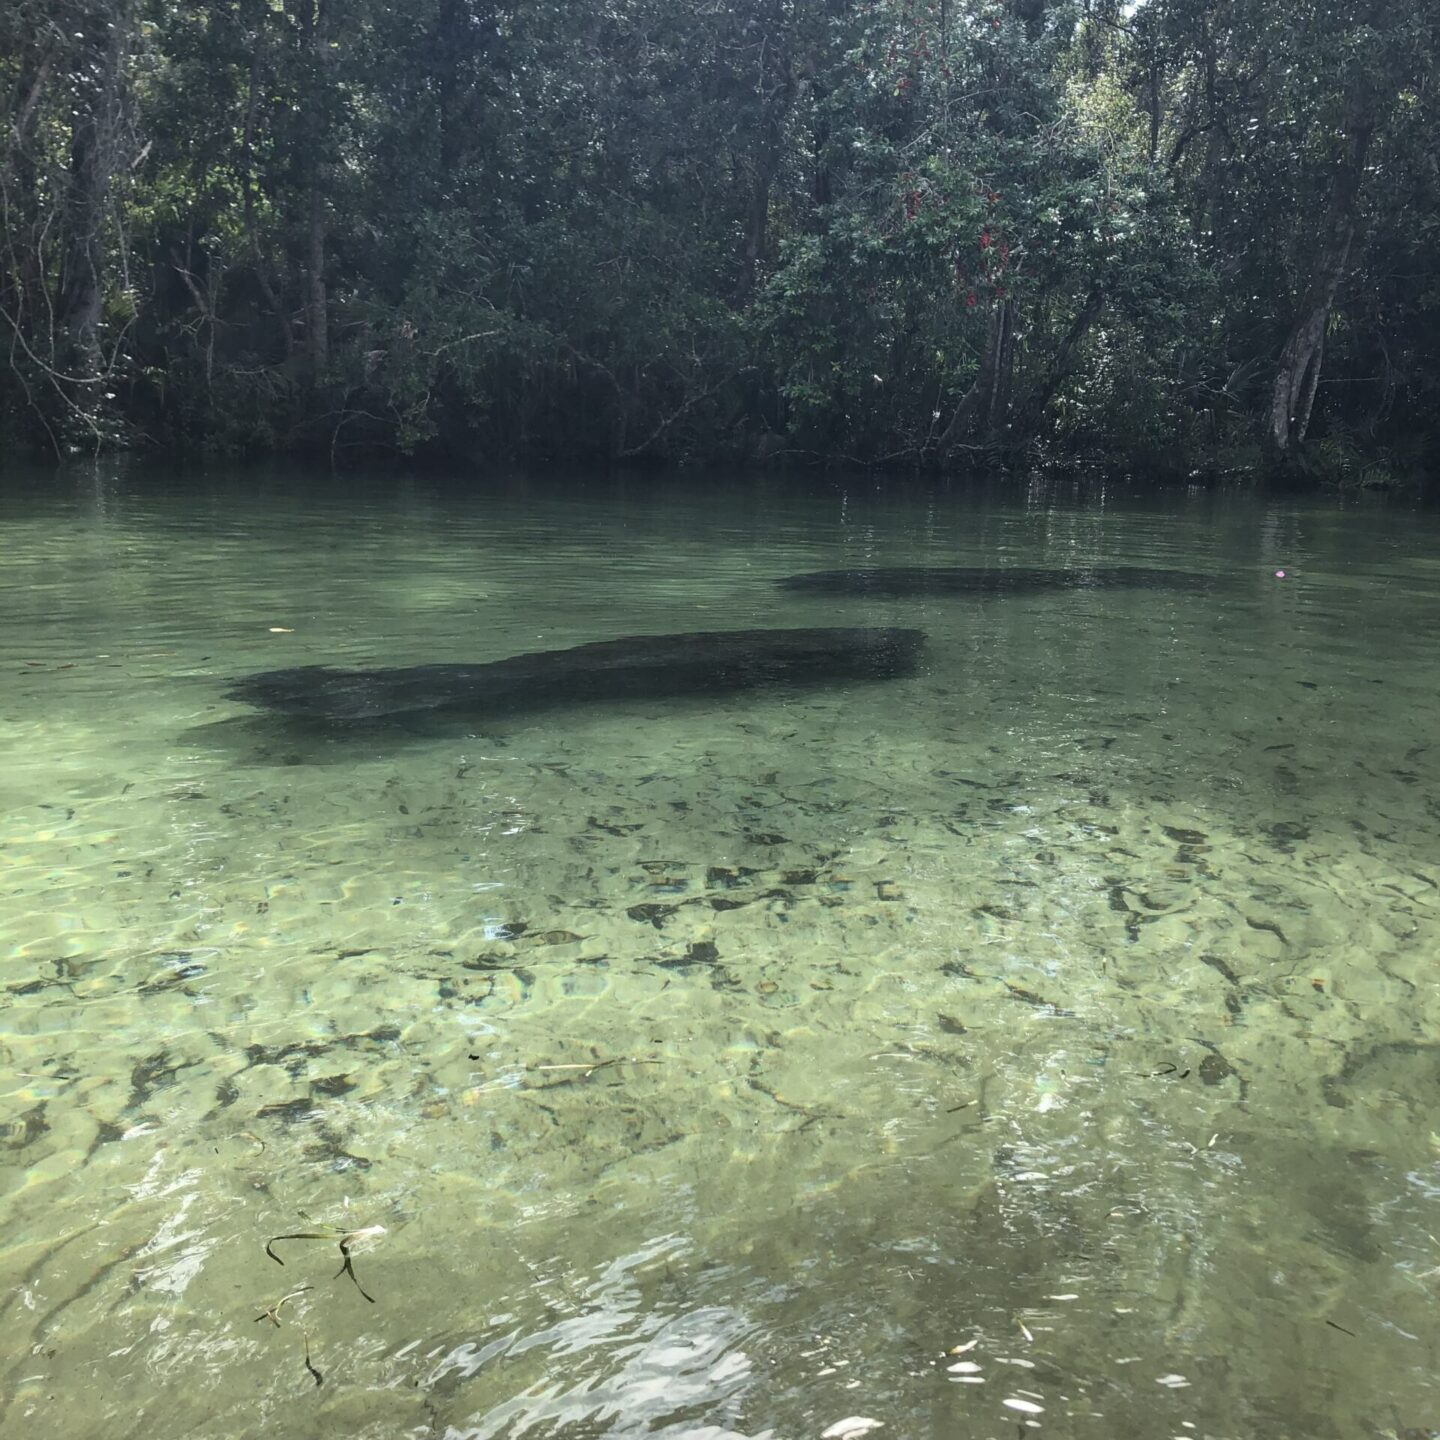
pixel 979 580
pixel 638 667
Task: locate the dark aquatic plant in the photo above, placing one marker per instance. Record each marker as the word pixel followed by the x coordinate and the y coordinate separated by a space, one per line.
pixel 344 1238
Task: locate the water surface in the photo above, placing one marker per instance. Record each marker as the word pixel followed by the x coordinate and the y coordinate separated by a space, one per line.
pixel 717 1066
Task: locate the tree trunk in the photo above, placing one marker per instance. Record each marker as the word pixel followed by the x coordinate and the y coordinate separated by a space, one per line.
pixel 1155 111
pixel 94 134
pixel 776 85
pixel 451 40
pixel 462 39
pixel 983 413
pixel 757 221
pixel 313 18
pixel 247 181
pixel 20 283
pixel 317 329
pixel 822 190
pixel 1063 365
pixel 1298 371
pixel 996 372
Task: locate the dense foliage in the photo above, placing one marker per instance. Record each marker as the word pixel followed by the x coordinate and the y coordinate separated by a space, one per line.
pixel 894 231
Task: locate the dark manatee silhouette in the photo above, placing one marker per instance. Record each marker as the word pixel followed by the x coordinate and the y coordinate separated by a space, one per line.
pixel 639 667
pixel 976 580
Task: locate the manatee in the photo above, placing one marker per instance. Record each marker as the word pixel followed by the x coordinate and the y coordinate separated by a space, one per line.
pixel 988 580
pixel 638 667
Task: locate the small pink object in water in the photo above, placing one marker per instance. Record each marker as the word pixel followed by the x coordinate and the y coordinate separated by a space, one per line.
pixel 1279 574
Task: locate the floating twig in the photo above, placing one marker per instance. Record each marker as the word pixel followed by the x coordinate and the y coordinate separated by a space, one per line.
pixel 273 1313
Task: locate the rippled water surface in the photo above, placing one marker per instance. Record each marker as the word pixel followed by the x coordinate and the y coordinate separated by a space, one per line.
pixel 1045 1042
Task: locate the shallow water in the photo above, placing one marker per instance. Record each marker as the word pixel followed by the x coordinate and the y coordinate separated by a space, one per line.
pixel 716 1066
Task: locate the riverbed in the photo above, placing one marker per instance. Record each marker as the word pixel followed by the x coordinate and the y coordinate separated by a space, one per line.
pixel 1043 1041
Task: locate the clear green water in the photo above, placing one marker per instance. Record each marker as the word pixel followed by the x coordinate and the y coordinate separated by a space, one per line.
pixel 1074 1000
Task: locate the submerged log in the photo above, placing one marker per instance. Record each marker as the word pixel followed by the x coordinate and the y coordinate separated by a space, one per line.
pixel 967 580
pixel 639 667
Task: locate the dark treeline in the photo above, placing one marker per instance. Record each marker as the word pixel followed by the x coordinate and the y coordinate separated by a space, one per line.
pixel 904 232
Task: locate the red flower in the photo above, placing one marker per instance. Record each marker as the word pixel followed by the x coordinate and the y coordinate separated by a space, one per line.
pixel 971 301
pixel 984 239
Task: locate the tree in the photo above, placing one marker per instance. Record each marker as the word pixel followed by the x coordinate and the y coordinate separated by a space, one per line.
pixel 69 104
pixel 902 232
